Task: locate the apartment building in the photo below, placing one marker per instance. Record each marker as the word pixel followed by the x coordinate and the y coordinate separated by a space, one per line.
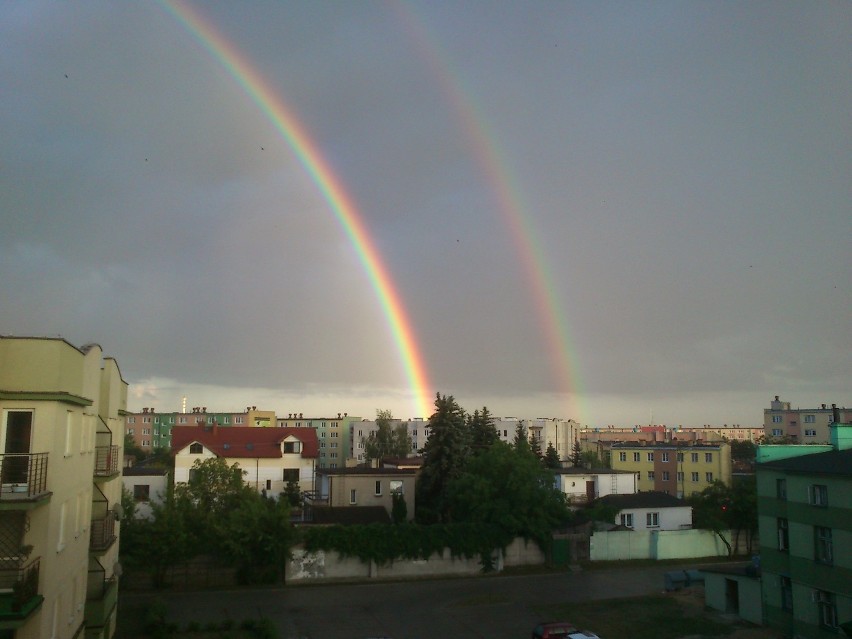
pixel 801 425
pixel 61 424
pixel 804 506
pixel 151 430
pixel 675 468
pixel 334 435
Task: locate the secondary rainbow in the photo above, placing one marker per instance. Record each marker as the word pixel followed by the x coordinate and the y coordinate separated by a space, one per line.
pixel 342 205
pixel 554 324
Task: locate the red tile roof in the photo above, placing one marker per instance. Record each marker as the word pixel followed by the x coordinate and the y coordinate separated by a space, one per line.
pixel 244 441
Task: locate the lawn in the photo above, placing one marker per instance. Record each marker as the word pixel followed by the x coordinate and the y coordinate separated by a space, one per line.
pixel 657 617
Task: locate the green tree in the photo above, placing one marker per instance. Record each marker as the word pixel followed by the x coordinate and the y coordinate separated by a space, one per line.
pixel 535 447
pixel 399 510
pixel 510 490
pixel 743 511
pixel 590 459
pixel 257 536
pixel 710 511
pixel 522 440
pixel 130 448
pixel 444 457
pixel 743 450
pixel 483 434
pixel 387 440
pixel 576 453
pixel 551 457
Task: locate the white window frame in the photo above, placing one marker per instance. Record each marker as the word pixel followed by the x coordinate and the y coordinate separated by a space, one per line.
pixel 652 520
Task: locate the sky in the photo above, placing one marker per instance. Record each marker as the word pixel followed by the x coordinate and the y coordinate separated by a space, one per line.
pixel 614 212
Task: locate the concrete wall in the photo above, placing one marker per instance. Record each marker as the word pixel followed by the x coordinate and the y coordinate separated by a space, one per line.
pixel 748 591
pixel 321 566
pixel 662 544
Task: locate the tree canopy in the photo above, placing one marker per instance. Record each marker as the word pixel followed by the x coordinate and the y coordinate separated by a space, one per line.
pixel 387 441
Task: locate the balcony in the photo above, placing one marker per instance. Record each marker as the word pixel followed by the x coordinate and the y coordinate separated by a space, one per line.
pixel 106 461
pixel 103 533
pixel 101 597
pixel 19 596
pixel 23 480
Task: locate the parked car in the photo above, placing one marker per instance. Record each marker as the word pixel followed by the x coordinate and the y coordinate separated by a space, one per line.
pixel 561 630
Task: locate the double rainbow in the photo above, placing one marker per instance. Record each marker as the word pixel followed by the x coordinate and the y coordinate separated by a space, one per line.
pixel 329 185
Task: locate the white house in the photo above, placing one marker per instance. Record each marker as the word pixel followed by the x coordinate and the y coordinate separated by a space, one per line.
pixel 584 485
pixel 270 457
pixel 147 485
pixel 650 510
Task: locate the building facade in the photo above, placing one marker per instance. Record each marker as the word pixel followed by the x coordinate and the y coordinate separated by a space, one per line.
pixel 804 506
pixel 334 435
pixel 61 425
pixel 151 430
pixel 359 487
pixel 583 485
pixel 271 458
pixel 650 511
pixel 801 425
pixel 676 468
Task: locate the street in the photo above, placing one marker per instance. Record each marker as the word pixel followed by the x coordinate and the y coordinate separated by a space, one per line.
pixel 493 607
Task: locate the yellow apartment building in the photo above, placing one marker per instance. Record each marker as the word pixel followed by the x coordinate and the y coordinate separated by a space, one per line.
pixel 61 424
pixel 676 468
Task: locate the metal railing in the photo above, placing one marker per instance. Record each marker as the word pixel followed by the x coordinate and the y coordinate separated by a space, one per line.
pixel 23 581
pixel 22 475
pixel 103 532
pixel 106 460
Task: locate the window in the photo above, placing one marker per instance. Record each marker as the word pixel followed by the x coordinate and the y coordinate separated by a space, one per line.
pixel 783 534
pixel 238 419
pixel 131 431
pixel 650 456
pixel 622 456
pixel 781 489
pixel 786 593
pixel 627 520
pixel 652 520
pixel 131 420
pixel 146 420
pixel 181 420
pixel 777 432
pixel 680 476
pixel 142 492
pixel 665 457
pixel 819 495
pixel 708 457
pixel 146 442
pixel 193 473
pixel 708 477
pixel 810 432
pixel 378 487
pixel 291 474
pixel 666 475
pixel 823 551
pixel 292 447
pixel 776 419
pixel 156 420
pixel 650 474
pixel 195 449
pixel 827 607
pixel 353 496
pixel 636 457
pixel 810 419
pixel 680 457
pixel 694 476
pixel 146 431
pixel 694 457
pixel 396 487
pixel 268 484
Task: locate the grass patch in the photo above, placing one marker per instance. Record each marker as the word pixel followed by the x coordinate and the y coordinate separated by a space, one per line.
pixel 655 617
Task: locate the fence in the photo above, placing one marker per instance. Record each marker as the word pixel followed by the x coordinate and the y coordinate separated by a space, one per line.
pixel 663 544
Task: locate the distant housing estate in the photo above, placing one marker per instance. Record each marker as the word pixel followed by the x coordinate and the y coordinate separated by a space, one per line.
pixel 802 425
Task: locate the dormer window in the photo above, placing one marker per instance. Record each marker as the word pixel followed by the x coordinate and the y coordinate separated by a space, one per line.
pixel 292 447
pixel 195 449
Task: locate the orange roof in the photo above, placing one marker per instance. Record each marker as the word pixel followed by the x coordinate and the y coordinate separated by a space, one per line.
pixel 244 441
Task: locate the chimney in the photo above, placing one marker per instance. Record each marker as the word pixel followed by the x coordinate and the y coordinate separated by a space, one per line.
pixel 823 406
pixel 204 409
pixel 835 414
pixel 300 415
pixel 338 415
pixel 254 407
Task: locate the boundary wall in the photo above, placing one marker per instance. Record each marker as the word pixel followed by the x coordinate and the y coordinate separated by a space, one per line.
pixel 662 544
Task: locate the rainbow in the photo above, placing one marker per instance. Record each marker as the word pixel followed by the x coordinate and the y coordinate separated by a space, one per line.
pixel 329 185
pixel 554 324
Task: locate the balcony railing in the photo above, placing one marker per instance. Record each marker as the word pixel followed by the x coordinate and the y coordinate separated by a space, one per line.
pixel 103 532
pixel 22 476
pixel 106 461
pixel 19 590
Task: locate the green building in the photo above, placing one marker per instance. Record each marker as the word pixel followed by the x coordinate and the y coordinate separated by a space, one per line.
pixel 805 522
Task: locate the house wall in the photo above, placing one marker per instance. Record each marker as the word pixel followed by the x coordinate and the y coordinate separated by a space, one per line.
pixel 663 544
pixel 574 486
pixel 337 488
pixel 257 471
pixel 670 518
pixel 157 486
pixel 748 591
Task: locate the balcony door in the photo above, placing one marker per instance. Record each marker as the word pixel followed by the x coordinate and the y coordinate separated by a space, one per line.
pixel 16 446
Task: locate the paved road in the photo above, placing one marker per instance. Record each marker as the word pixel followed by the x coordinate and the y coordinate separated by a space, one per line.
pixel 494 607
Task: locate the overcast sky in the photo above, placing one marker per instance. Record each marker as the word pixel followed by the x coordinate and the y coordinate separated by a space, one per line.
pixel 682 172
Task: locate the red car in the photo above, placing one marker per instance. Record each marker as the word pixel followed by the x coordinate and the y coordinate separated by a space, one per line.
pixel 560 630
